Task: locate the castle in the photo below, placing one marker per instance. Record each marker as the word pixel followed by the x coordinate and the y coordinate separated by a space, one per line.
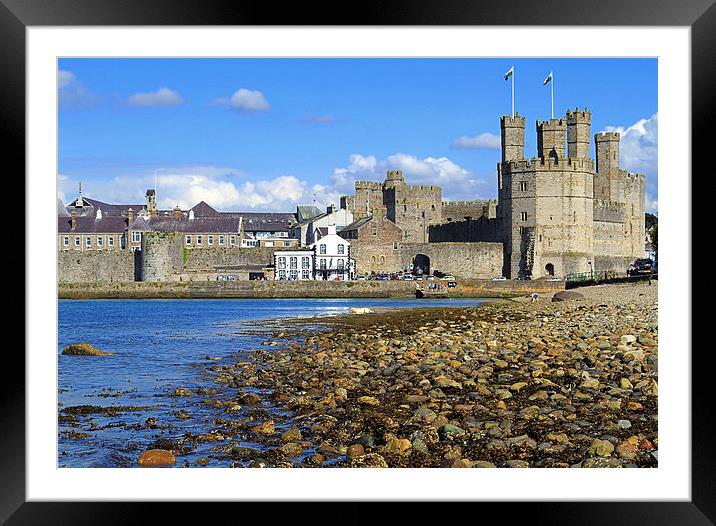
pixel 558 213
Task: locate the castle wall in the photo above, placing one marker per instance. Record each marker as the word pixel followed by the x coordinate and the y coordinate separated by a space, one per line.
pixel 99 266
pixel 461 210
pixel 465 260
pixel 368 195
pixel 161 255
pixel 207 259
pixel 473 230
pixel 414 209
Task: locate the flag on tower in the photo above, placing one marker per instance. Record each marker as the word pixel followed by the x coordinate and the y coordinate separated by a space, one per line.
pixel 548 79
pixel 510 73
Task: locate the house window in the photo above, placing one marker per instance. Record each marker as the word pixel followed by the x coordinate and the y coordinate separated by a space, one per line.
pixel 293 262
pixel 110 241
pixel 282 262
pixel 305 274
pixel 341 248
pixel 323 264
pixel 287 243
pixel 88 242
pixel 322 249
pixel 100 241
pixel 340 264
pixel 198 240
pixel 77 241
pixel 294 274
pixel 209 240
pixel 187 240
pixel 305 262
pixel 281 274
pixel 375 231
pixel 395 245
pixel 221 240
pixel 232 240
pixel 65 241
pixel 136 237
pixel 523 216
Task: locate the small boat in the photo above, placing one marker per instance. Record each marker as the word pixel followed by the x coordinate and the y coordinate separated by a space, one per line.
pixel 429 293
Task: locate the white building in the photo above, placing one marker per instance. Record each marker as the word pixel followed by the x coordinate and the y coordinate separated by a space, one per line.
pixel 327 259
pixel 305 231
pixel 332 257
pixel 293 265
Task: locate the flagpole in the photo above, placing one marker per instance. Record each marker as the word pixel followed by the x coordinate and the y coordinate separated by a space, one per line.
pixel 551 86
pixel 513 94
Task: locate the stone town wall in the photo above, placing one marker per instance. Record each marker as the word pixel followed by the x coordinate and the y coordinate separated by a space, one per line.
pixel 473 230
pixel 209 258
pixel 461 210
pixel 100 266
pixel 300 289
pixel 466 260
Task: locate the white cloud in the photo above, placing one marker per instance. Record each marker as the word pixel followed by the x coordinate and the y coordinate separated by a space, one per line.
pixel 246 100
pixel 639 145
pixel 218 186
pixel 456 181
pixel 161 97
pixel 483 141
pixel 71 93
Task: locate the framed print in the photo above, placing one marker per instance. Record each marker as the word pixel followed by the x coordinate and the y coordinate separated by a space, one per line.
pixel 296 245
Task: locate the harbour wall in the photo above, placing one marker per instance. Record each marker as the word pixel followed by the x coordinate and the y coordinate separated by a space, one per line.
pixel 298 289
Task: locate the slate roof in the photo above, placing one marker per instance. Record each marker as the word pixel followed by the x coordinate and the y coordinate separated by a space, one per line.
pixel 267 222
pixel 355 225
pixel 61 210
pixel 107 209
pixel 306 212
pixel 201 209
pixel 198 225
pixel 91 225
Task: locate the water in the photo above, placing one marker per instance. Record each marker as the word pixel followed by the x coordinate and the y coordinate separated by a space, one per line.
pixel 159 345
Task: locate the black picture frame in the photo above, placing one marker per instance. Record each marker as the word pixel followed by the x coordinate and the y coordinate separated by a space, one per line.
pixel 700 15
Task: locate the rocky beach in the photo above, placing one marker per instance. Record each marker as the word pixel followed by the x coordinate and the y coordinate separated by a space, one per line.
pixel 510 383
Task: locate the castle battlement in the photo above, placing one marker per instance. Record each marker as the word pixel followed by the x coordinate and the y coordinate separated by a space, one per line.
pixel 547 164
pixel 607 136
pixel 551 123
pixel 576 115
pixel 368 185
pixel 510 121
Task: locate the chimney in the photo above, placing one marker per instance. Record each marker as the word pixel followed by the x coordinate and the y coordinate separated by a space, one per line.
pixel 331 230
pixel 177 211
pixel 191 215
pixel 99 213
pixel 130 217
pixel 379 211
pixel 73 221
pixel 331 209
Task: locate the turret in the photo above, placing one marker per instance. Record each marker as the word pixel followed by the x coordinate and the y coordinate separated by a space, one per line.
pixel 513 137
pixel 607 146
pixel 578 133
pixel 551 138
pixel 393 178
pixel 152 202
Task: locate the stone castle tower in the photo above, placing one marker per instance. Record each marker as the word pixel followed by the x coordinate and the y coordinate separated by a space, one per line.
pixel 557 214
pixel 412 208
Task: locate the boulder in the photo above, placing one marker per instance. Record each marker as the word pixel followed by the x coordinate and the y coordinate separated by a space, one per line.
pixel 83 349
pixel 156 457
pixel 567 295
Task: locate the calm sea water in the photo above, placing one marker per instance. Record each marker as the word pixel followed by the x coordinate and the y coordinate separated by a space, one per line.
pixel 159 345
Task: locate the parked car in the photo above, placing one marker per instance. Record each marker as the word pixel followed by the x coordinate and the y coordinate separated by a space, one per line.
pixel 641 266
pixel 499 278
pixel 448 277
pixel 430 277
pixel 407 277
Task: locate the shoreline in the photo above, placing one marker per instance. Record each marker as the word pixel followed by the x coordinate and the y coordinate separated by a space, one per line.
pixel 501 384
pixel 305 289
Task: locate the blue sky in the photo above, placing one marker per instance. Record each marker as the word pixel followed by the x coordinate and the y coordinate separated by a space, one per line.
pixel 267 134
